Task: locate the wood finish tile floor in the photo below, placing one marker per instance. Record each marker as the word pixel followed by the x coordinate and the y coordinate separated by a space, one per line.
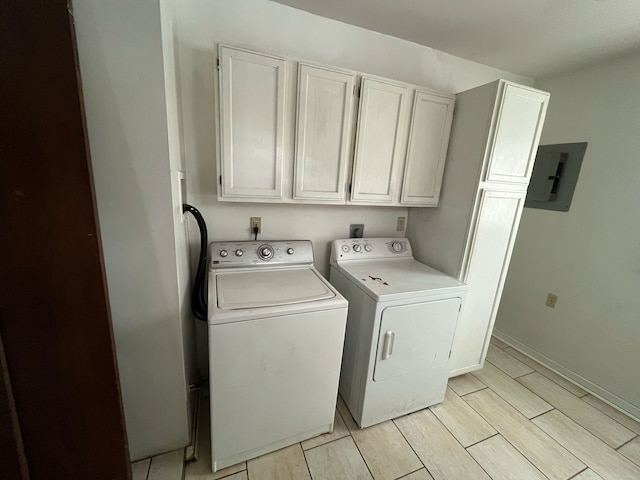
pixel 514 419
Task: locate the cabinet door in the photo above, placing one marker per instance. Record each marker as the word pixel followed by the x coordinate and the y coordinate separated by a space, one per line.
pixel 492 237
pixel 381 142
pixel 427 149
pixel 252 101
pixel 517 132
pixel 323 132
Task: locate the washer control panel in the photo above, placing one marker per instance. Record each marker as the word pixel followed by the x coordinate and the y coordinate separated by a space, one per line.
pixel 370 248
pixel 251 254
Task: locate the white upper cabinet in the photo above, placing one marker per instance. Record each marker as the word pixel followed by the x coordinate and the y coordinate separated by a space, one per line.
pixel 381 141
pixel 518 127
pixel 427 148
pixel 272 149
pixel 252 124
pixel 323 133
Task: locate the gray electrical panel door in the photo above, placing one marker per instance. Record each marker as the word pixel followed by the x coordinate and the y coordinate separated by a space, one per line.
pixel 555 175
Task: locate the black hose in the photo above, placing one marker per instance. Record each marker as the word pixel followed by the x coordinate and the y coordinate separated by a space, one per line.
pixel 199 293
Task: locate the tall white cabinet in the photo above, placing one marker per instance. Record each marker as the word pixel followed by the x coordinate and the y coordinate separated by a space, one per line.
pixel 494 139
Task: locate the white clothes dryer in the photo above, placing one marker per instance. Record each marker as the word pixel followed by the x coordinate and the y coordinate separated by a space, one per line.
pixel 276 331
pixel 400 328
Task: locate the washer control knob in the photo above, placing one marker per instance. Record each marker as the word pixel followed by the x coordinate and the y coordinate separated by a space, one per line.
pixel 357 247
pixel 239 253
pixel 396 246
pixel 290 251
pixel 368 247
pixel 265 252
pixel 223 253
pixel 345 248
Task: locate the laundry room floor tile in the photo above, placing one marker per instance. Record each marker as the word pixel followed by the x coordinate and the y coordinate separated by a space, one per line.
pixel 464 384
pixel 539 448
pixel 600 458
pixel 480 433
pixel 461 420
pixel 550 374
pixel 140 470
pixel 238 476
pixel 611 432
pixel 339 430
pixel 521 398
pixel 386 452
pixel 613 413
pixel 502 461
pixel 168 466
pixel 201 469
pixel 507 363
pixel 498 343
pixel 339 460
pixel 285 464
pixel 631 450
pixel 346 416
pixel 421 474
pixel 440 452
pixel 587 474
pixel 225 472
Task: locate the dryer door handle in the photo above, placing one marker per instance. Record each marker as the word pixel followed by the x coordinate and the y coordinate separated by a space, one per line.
pixel 387 344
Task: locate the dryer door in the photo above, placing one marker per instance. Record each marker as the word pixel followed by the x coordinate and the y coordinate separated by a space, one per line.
pixel 415 337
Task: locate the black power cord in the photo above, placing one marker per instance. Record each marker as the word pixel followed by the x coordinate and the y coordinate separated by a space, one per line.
pixel 199 293
pixel 255 234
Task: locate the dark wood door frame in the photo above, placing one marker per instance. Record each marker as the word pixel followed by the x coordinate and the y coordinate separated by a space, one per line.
pixel 54 311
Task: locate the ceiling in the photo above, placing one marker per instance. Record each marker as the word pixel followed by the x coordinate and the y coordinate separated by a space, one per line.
pixel 534 38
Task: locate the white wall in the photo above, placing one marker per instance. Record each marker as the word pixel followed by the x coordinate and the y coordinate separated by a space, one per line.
pixel 120 51
pixel 276 28
pixel 589 256
pixel 273 27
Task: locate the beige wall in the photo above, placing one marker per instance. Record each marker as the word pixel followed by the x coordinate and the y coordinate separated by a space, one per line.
pixel 589 256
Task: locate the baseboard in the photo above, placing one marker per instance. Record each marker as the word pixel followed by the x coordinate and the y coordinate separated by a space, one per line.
pixel 606 396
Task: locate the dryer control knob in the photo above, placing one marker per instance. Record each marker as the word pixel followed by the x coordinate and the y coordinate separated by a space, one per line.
pixel 223 253
pixel 345 248
pixel 396 246
pixel 290 251
pixel 239 253
pixel 357 247
pixel 368 247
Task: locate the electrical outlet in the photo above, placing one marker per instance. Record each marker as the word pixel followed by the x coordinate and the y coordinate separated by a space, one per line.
pixel 255 222
pixel 400 224
pixel 552 299
pixel 356 230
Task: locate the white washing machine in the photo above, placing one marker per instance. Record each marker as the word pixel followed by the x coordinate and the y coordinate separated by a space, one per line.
pixel 400 328
pixel 276 331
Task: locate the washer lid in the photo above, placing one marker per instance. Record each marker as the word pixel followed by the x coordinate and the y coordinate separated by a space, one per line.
pixel 255 289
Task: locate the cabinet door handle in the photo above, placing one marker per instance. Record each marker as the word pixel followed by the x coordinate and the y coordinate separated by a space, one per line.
pixel 387 344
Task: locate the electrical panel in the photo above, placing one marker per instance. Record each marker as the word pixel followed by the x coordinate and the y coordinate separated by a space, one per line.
pixel 555 175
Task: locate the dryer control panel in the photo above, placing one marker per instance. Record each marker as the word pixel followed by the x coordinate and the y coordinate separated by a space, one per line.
pixel 257 253
pixel 370 248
